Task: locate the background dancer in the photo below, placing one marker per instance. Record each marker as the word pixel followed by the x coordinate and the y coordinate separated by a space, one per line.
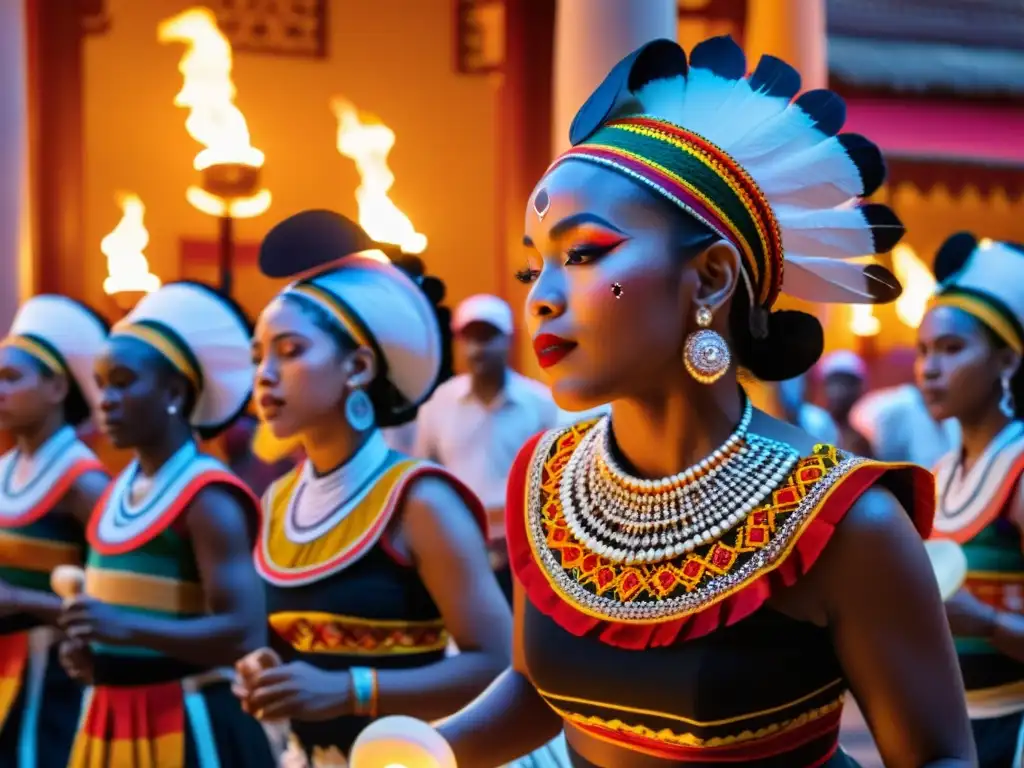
pixel 968 368
pixel 172 598
pixel 372 559
pixel 49 484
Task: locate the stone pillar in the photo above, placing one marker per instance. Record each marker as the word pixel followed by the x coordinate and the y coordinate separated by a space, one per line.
pixel 591 36
pixel 793 30
pixel 15 225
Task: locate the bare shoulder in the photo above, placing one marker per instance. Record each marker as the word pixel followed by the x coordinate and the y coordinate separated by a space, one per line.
pixel 433 502
pixel 875 543
pixel 783 431
pixel 89 486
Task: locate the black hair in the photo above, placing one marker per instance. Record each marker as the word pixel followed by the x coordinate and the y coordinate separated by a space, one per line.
pixel 793 341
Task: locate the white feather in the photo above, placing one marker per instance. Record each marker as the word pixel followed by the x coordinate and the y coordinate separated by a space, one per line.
pixel 836 233
pixel 826 280
pixel 789 131
pixel 706 92
pixel 822 175
pixel 663 98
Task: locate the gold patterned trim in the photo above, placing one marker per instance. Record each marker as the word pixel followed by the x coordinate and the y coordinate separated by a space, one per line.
pixel 666 736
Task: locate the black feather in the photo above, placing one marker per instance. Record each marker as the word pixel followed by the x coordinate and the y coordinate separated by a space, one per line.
pixel 868 159
pixel 308 240
pixel 825 108
pixel 774 77
pixel 658 58
pixel 953 255
pixel 720 55
pixel 886 227
pixel 1018 247
pixel 882 284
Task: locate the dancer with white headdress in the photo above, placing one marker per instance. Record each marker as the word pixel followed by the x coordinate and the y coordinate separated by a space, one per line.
pixel 171 597
pixel 699 583
pixel 970 345
pixel 49 483
pixel 372 560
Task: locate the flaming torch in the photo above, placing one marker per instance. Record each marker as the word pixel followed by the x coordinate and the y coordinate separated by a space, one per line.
pixel 229 166
pixel 367 141
pixel 128 275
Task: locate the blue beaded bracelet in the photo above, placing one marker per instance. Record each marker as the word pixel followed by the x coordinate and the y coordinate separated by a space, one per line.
pixel 364 688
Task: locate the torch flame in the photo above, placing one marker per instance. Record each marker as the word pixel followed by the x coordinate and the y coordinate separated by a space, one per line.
pixel 127 266
pixel 918 285
pixel 367 141
pixel 863 322
pixel 214 120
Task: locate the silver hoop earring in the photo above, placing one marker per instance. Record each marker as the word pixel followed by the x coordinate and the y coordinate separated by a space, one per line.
pixel 359 411
pixel 1006 402
pixel 706 355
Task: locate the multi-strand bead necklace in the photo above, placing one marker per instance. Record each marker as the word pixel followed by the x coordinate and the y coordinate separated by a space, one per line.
pixel 632 520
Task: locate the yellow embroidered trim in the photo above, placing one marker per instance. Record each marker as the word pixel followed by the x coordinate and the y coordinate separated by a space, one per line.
pixel 699 570
pixel 689 721
pixel 37 350
pixel 318 632
pixel 665 736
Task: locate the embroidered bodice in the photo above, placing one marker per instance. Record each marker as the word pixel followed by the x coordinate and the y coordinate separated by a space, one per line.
pixel 680 659
pixel 973 511
pixel 32 540
pixel 347 597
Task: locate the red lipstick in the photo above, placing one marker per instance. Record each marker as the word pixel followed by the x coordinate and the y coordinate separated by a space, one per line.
pixel 551 349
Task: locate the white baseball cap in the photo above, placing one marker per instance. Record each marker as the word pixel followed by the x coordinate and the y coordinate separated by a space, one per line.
pixel 843 361
pixel 483 308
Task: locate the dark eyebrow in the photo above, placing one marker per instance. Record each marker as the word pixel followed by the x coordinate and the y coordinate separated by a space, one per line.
pixel 578 219
pixel 570 223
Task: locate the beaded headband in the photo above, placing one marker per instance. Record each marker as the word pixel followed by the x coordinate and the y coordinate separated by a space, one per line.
pixel 702 180
pixel 768 172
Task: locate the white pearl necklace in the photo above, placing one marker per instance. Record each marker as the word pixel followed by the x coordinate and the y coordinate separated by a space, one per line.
pixel 633 520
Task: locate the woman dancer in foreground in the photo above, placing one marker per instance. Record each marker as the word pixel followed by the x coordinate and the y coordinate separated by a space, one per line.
pixel 968 368
pixel 171 596
pixel 49 484
pixel 698 582
pixel 372 560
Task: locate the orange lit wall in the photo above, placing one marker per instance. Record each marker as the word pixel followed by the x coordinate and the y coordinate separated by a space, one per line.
pixel 390 57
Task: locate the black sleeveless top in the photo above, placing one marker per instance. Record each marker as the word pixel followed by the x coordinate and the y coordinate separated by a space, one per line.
pixel 711 675
pixel 347 598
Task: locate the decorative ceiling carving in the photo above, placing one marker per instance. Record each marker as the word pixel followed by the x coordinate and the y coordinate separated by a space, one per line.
pixel 278 27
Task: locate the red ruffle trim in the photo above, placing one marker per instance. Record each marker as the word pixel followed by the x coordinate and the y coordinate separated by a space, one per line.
pixel 913 485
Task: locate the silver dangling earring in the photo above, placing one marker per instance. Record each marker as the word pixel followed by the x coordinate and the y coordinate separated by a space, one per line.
pixel 1006 403
pixel 706 354
pixel 359 411
pixel 172 410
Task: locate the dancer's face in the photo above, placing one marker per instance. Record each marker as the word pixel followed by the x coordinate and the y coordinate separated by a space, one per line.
pixel 958 366
pixel 304 370
pixel 27 395
pixel 598 342
pixel 140 393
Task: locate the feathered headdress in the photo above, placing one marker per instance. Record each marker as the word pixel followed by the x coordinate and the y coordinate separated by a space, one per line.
pixel 770 174
pixel 986 280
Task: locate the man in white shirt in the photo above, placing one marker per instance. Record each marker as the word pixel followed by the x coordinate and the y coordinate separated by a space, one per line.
pixel 474 424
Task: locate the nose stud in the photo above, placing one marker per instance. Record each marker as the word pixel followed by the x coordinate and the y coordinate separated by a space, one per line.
pixel 616 290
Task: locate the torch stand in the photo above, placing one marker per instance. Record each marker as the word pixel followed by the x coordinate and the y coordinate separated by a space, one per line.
pixel 228 182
